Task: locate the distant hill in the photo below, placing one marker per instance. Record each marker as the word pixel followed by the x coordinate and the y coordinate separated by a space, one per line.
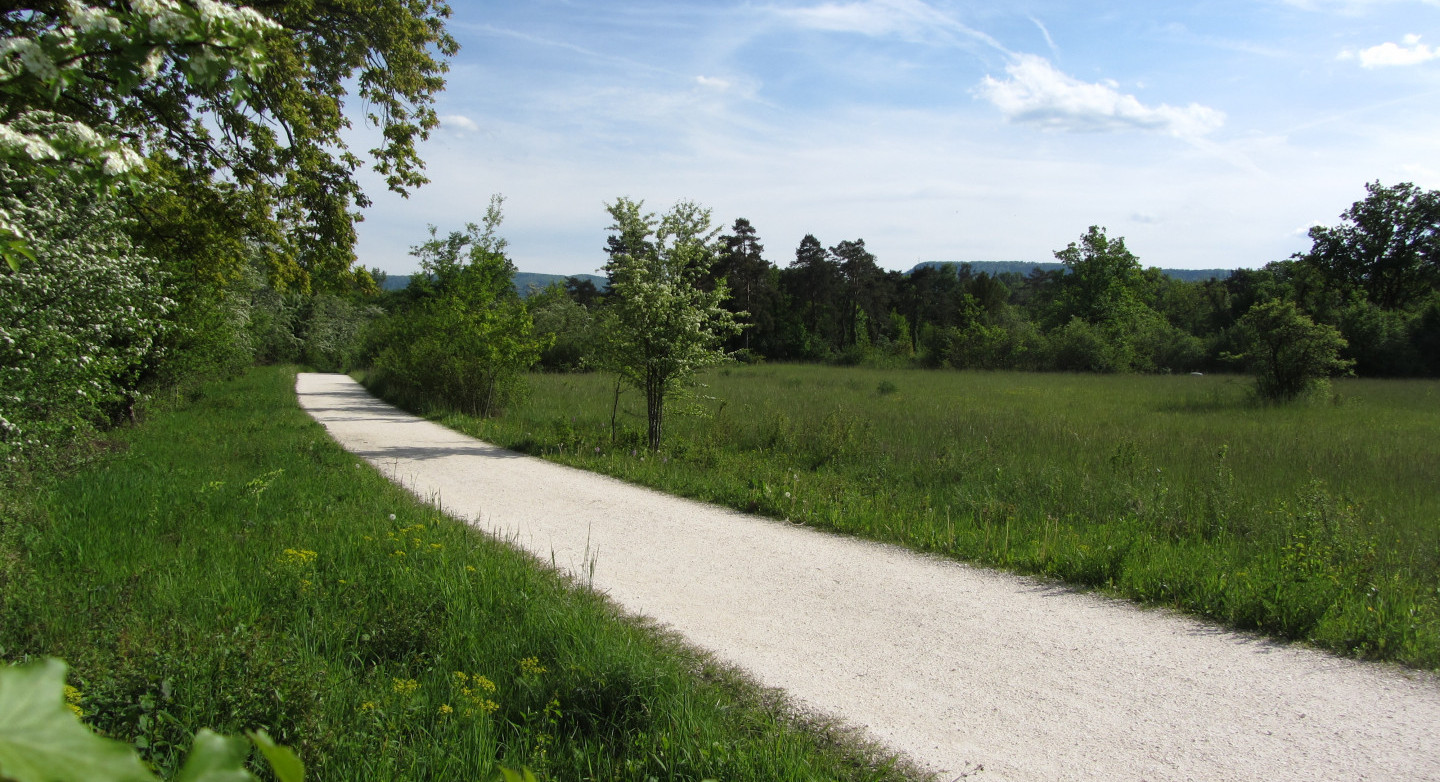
pixel 524 281
pixel 1024 268
pixel 527 281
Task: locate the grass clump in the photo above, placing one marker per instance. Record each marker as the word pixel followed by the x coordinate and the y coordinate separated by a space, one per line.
pixel 232 568
pixel 1313 521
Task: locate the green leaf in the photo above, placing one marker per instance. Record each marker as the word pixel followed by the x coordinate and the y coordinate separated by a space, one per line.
pixel 282 760
pixel 523 775
pixel 42 741
pixel 15 249
pixel 216 758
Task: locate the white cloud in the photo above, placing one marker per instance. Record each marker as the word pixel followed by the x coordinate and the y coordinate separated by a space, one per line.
pixel 713 83
pixel 1410 52
pixel 1038 93
pixel 912 20
pixel 458 122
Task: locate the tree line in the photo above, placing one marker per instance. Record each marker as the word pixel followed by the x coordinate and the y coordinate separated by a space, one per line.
pixel 683 295
pixel 1372 282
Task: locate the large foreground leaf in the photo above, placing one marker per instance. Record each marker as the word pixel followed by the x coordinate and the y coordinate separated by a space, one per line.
pixel 42 741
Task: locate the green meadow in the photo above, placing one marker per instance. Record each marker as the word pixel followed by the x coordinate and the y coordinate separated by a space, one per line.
pixel 226 565
pixel 1317 521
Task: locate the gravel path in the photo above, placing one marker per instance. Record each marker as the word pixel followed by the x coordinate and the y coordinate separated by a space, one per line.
pixel 968 671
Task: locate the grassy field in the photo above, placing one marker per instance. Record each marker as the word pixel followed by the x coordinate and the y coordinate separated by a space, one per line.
pixel 1316 521
pixel 228 566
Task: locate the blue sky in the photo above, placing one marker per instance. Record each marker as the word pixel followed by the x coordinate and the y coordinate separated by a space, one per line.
pixel 1209 135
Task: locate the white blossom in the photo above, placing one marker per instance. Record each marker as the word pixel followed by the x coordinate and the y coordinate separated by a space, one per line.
pixel 89 20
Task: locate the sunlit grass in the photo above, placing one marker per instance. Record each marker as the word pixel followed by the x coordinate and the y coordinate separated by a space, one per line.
pixel 233 568
pixel 1317 521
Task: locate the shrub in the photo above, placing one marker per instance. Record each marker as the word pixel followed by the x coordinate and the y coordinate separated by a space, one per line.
pixel 467 337
pixel 1288 352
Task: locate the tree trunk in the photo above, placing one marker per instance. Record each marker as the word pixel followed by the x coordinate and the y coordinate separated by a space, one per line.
pixel 655 409
pixel 615 406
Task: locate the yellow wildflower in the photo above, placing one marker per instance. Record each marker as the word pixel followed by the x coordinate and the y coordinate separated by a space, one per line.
pixel 445 710
pixel 72 701
pixel 367 706
pixel 297 556
pixel 405 686
pixel 530 666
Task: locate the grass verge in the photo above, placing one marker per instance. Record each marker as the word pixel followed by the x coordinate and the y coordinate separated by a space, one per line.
pixel 1317 521
pixel 230 567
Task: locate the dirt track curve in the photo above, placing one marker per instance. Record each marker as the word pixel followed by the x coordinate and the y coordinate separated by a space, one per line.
pixel 966 670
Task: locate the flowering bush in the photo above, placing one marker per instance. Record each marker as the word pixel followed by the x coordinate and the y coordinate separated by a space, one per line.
pixel 78 326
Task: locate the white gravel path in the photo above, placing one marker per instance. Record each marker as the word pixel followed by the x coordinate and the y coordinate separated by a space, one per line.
pixel 966 670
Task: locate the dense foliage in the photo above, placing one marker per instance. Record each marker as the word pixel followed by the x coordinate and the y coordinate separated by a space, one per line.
pixel 77 329
pixel 461 336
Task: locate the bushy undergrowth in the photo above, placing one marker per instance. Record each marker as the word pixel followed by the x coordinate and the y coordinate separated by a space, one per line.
pixel 230 567
pixel 1314 521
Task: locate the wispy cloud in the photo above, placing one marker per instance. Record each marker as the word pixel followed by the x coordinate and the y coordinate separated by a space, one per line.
pixel 910 20
pixel 1037 93
pixel 458 122
pixel 487 29
pixel 1409 52
pixel 713 83
pixel 1054 50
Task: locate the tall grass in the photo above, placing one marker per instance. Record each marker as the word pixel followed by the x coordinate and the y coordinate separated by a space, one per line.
pixel 1317 521
pixel 231 567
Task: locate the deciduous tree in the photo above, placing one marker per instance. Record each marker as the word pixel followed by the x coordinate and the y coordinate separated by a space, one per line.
pixel 1387 245
pixel 663 325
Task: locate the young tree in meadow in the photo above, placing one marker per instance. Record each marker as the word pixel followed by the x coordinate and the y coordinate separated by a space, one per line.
pixel 663 326
pixel 1288 352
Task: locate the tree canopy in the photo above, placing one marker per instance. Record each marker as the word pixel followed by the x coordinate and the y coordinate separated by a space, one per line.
pixel 1387 245
pixel 252 97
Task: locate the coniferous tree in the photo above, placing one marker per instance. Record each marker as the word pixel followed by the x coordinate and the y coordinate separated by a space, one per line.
pixel 741 263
